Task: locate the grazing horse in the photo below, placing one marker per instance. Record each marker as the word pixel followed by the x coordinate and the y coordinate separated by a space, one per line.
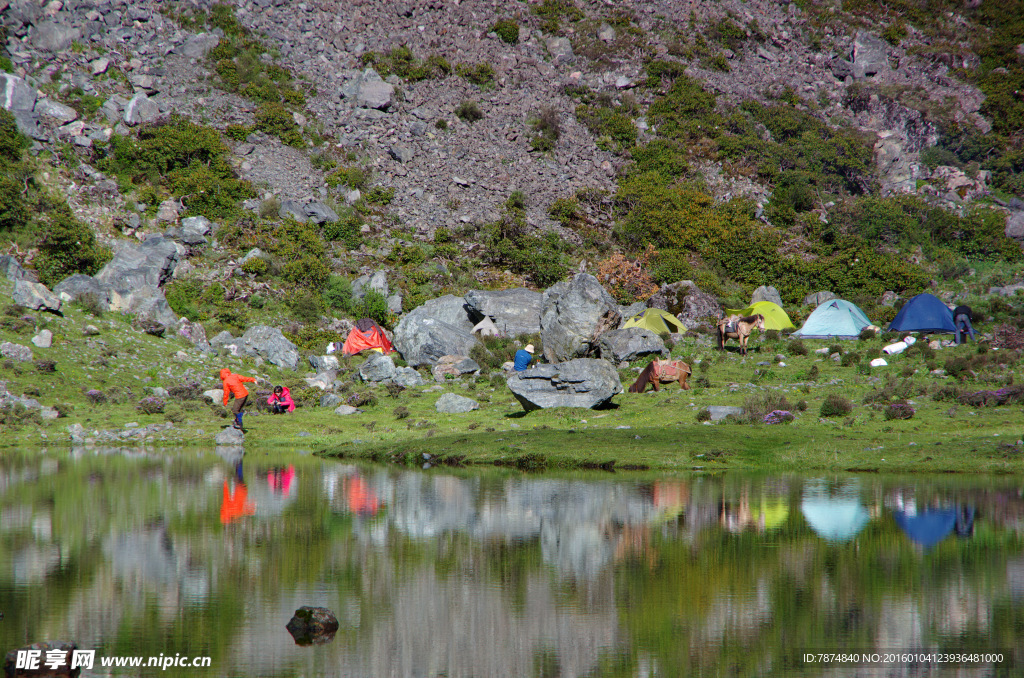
pixel 739 328
pixel 662 371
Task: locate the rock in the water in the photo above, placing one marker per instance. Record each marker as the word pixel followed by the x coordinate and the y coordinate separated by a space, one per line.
pixel 453 365
pixel 377 367
pixel 16 352
pixel 407 377
pixel 629 344
pixel 719 412
pixel 450 403
pixel 818 298
pixel 312 625
pixel 514 312
pixel 572 321
pixel 345 410
pixel 230 436
pixel 766 293
pixel 268 343
pixel 35 296
pixel 44 339
pixel 424 334
pixel 583 382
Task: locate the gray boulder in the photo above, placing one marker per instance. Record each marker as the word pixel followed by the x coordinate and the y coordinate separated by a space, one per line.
pixel 329 400
pixel 323 380
pixel 560 50
pixel 149 263
pixel 429 332
pixel 766 293
pixel 16 352
pixel 407 377
pixel 200 225
pixel 378 281
pixel 636 308
pixel 719 412
pixel 52 37
pixel 572 321
pixel 373 92
pixel 1015 225
pixel 688 303
pixel 198 46
pixel 818 298
pixel 140 109
pixel 55 111
pixel 43 340
pixel 450 403
pixel 345 410
pixel 194 333
pixel 583 382
pixel 377 367
pixel 13 269
pixel 516 311
pixel 292 209
pixel 19 98
pixel 312 625
pixel 454 365
pixel 401 153
pixel 319 213
pixel 268 343
pixel 229 436
pixel 35 296
pixel 320 363
pixel 222 339
pixel 869 56
pixel 629 344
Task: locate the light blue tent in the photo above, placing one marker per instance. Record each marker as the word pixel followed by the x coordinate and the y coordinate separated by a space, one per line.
pixel 835 319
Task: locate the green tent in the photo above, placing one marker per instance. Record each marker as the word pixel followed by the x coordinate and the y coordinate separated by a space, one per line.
pixel 774 317
pixel 657 321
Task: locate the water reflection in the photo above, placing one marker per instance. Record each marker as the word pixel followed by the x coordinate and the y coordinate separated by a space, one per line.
pixel 498 574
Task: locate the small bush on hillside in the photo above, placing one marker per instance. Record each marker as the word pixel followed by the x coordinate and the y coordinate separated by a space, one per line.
pixel 553 12
pixel 547 128
pixel 186 390
pixel 851 358
pixel 836 406
pixel 274 119
pixel 469 111
pixel 351 176
pixel 400 61
pixel 481 74
pixel 68 246
pixel 151 405
pixel 507 30
pixel 899 411
pixel 757 407
pixel 796 347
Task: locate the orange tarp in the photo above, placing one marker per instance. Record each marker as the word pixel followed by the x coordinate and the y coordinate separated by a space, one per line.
pixel 360 341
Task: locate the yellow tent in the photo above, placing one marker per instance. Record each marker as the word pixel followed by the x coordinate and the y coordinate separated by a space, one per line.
pixel 774 317
pixel 657 321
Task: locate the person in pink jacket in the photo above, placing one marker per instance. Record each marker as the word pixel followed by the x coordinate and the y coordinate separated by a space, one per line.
pixel 281 400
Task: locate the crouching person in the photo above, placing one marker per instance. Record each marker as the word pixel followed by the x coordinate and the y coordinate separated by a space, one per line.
pixel 281 401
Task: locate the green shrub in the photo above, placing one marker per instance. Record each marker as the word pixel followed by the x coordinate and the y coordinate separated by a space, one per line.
pixel 182 296
pixel 547 130
pixel 12 142
pixel 353 177
pixel 346 229
pixel 256 266
pixel 401 62
pixel 469 111
pixel 307 306
pixel 481 74
pixel 608 123
pixel 67 246
pixel 511 244
pixel 238 132
pixel 274 119
pixel 375 306
pixel 380 195
pixel 507 30
pixel 836 406
pixel 552 12
pixel 338 293
pixel 796 347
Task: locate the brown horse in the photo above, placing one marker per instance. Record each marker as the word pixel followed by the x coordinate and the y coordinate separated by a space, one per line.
pixel 662 371
pixel 739 328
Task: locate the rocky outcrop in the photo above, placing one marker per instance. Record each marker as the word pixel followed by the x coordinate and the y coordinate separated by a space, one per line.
pixel 16 352
pixel 629 344
pixel 35 296
pixel 514 312
pixel 584 382
pixel 687 302
pixel 818 298
pixel 766 293
pixel 13 270
pixel 407 377
pixel 451 403
pixel 378 281
pixel 268 343
pixel 453 366
pixel 377 367
pixel 230 436
pixel 312 625
pixel 147 264
pixel 430 331
pixel 572 321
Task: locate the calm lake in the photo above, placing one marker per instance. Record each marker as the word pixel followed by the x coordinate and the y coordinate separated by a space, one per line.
pixel 449 572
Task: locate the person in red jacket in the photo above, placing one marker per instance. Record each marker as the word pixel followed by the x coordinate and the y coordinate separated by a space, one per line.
pixel 281 400
pixel 234 385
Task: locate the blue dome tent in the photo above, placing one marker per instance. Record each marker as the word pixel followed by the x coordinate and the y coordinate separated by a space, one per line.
pixel 924 313
pixel 835 318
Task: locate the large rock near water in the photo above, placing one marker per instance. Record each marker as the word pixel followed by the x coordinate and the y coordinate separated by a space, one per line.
pixel 629 344
pixel 574 316
pixel 583 382
pixel 437 328
pixel 312 625
pixel 687 302
pixel 268 343
pixel 516 311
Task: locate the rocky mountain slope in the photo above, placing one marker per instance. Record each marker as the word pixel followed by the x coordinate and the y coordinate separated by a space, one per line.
pixel 415 122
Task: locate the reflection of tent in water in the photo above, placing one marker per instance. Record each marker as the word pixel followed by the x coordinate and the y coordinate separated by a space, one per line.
pixel 270 497
pixel 361 498
pixel 932 525
pixel 835 515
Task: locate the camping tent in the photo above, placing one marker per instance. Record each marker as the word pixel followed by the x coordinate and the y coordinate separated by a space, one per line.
pixel 367 334
pixel 835 318
pixel 923 313
pixel 657 321
pixel 486 328
pixel 774 317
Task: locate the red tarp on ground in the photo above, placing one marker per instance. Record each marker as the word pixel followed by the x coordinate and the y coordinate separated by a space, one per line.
pixel 366 334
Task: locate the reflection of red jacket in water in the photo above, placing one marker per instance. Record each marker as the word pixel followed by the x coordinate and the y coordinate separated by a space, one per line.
pixel 235 503
pixel 361 498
